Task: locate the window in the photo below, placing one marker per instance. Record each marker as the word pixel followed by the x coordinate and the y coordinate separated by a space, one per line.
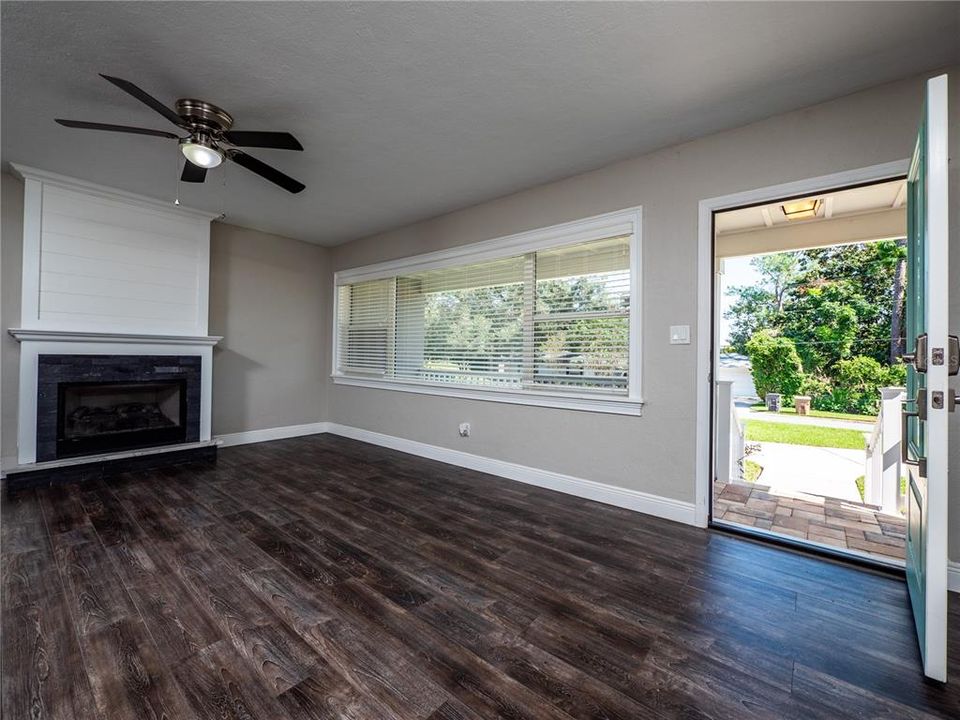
pixel 550 318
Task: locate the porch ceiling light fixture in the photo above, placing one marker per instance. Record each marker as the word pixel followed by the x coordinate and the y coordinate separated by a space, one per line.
pixel 802 209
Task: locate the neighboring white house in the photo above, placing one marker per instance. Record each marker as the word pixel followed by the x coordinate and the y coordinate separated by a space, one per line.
pixel 736 368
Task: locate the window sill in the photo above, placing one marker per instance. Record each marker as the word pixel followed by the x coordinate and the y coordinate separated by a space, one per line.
pixel 565 401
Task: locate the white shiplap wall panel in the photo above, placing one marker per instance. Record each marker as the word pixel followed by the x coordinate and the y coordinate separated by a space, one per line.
pixel 156 257
pixel 56 222
pixel 117 211
pixel 114 262
pixel 105 286
pixel 112 270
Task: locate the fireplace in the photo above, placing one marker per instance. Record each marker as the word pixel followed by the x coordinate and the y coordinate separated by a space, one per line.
pixel 95 404
pixel 99 417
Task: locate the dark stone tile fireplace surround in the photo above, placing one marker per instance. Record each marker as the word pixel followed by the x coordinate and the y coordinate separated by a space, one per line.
pixel 70 423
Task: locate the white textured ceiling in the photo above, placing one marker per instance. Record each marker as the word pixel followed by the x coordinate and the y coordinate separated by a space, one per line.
pixel 411 110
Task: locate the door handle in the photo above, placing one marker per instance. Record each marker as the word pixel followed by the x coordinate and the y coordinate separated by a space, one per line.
pixel 918 358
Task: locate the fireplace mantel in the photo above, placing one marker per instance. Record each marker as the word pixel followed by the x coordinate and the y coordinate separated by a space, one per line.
pixel 27 335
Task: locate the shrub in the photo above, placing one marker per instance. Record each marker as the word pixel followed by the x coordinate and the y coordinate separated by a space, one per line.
pixel 815 387
pixel 775 364
pixel 856 385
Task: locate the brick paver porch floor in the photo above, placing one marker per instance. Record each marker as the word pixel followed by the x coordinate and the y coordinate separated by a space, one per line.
pixel 826 520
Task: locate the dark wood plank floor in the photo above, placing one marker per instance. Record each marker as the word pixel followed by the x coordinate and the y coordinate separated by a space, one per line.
pixel 324 578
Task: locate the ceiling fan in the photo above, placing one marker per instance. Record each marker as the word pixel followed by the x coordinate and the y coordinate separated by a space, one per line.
pixel 209 139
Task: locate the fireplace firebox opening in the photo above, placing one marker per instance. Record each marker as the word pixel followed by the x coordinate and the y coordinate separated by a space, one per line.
pixel 99 417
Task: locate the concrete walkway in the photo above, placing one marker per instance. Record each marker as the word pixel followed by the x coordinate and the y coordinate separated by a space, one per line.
pixel 830 472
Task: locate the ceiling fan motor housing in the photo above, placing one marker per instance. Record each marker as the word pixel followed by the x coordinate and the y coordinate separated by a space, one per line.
pixel 203 115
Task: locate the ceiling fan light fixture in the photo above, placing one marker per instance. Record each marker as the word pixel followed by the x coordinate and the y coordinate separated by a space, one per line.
pixel 201 151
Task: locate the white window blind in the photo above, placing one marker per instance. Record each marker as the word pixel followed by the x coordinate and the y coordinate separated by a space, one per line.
pixel 552 320
pixel 581 327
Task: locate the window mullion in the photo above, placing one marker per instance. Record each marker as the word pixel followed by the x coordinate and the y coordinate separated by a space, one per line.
pixel 529 311
pixel 391 365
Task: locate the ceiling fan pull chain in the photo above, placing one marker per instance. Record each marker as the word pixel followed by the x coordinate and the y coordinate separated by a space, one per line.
pixel 176 168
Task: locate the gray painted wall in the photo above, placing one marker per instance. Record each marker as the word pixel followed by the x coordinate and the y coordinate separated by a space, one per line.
pixel 653 453
pixel 268 298
pixel 11 253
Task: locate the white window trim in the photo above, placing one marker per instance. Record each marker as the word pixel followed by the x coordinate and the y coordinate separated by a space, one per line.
pixel 623 222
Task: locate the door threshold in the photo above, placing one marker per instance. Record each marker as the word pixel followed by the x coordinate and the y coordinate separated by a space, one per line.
pixel 810 547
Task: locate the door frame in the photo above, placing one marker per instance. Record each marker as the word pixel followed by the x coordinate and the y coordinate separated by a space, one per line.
pixel 707 340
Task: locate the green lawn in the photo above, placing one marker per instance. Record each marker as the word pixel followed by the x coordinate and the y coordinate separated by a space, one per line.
pixel 811 435
pixel 760 407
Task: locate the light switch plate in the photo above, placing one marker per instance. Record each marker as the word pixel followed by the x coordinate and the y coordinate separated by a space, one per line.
pixel 679 334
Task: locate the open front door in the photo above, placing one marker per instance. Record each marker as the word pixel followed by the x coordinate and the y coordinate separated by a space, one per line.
pixel 933 357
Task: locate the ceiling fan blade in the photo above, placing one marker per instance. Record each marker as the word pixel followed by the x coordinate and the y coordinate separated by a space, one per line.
pixel 275 140
pixel 265 171
pixel 193 173
pixel 114 128
pixel 146 99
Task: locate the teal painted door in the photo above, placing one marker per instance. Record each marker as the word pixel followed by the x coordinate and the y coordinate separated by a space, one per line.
pixel 926 410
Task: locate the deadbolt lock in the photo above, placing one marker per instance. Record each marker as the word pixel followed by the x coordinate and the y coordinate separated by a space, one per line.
pixel 952 353
pixel 940 400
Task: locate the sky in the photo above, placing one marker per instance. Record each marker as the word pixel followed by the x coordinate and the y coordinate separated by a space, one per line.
pixel 736 271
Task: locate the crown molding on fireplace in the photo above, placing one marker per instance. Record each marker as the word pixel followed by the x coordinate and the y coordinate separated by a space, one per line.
pixel 27 335
pixel 25 172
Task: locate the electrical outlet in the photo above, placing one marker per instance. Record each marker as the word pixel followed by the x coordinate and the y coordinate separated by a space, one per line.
pixel 464 429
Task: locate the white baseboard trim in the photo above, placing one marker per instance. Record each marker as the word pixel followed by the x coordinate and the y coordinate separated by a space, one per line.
pixel 953 576
pixel 668 508
pixel 275 433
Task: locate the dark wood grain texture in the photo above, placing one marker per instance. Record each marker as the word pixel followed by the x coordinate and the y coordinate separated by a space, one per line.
pixel 322 578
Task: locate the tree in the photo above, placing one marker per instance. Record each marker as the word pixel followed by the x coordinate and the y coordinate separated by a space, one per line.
pixel 834 303
pixel 775 364
pixel 753 311
pixel 760 306
pixel 780 272
pixel 868 270
pixel 822 321
pixel 898 307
